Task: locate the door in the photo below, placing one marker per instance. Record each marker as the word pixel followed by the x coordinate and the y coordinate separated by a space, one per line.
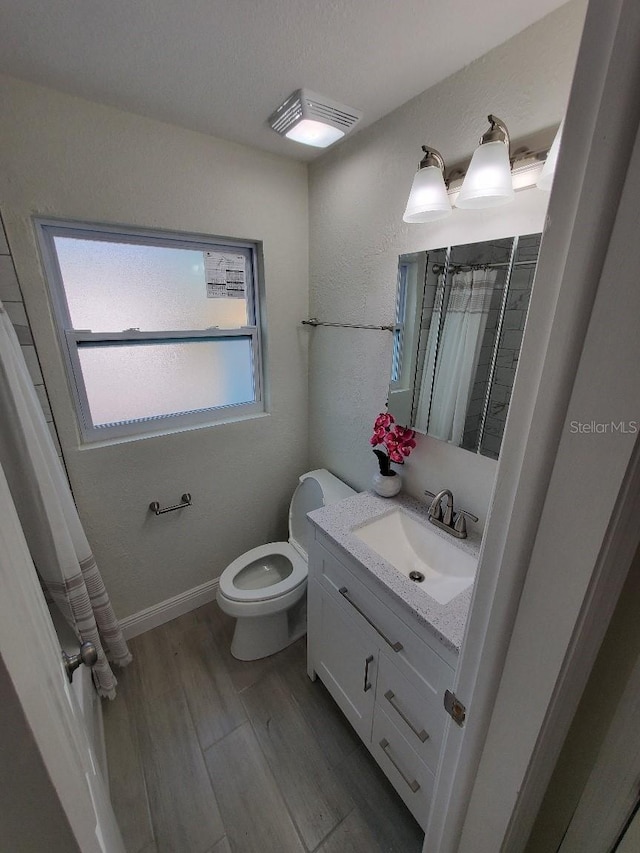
pixel 562 528
pixel 345 660
pixel 30 654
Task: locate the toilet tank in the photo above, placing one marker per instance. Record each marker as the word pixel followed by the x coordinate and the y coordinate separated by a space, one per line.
pixel 315 489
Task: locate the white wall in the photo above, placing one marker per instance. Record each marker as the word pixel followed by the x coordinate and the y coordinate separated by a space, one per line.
pixel 69 158
pixel 357 197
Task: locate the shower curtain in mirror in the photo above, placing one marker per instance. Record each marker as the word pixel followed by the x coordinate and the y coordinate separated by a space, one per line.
pixel 48 515
pixel 458 352
pixel 421 419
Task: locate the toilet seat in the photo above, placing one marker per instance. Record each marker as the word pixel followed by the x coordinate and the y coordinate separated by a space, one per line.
pixel 264 589
pixel 297 576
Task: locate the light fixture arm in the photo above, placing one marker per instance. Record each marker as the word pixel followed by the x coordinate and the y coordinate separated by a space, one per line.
pixel 431 158
pixel 497 131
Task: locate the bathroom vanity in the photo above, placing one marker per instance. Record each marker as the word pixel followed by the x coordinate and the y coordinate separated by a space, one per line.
pixel 382 645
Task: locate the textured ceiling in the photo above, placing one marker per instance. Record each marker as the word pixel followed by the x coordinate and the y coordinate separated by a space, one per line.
pixel 221 66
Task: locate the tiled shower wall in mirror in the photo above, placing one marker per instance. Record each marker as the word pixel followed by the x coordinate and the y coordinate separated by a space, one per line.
pixel 509 345
pixel 496 252
pixel 11 298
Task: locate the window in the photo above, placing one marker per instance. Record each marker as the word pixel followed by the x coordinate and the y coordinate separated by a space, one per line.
pixel 159 331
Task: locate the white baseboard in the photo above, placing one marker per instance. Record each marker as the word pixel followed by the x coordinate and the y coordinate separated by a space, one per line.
pixel 171 608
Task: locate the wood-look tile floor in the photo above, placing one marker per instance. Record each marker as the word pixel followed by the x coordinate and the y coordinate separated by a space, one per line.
pixel 208 754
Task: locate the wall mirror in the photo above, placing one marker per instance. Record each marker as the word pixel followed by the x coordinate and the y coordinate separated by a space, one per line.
pixel 460 315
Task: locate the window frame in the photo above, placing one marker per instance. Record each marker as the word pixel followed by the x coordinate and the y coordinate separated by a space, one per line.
pixel 397 351
pixel 69 338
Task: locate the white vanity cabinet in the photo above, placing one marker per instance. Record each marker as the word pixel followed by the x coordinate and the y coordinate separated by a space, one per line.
pixel 345 659
pixel 384 669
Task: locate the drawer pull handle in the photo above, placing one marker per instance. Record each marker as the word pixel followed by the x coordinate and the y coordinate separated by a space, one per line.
pixel 397 647
pixel 390 696
pixel 414 785
pixel 367 683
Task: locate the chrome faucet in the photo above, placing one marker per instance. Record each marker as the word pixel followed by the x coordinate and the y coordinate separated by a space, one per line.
pixel 453 522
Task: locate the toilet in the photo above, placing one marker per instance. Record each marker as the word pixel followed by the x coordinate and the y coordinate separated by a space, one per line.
pixel 265 587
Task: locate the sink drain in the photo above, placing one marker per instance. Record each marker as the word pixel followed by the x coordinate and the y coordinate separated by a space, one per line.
pixel 418 577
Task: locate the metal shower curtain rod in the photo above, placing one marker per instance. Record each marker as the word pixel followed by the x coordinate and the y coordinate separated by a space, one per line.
pixel 438 268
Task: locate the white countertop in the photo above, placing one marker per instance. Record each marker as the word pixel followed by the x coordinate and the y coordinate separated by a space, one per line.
pixel 446 621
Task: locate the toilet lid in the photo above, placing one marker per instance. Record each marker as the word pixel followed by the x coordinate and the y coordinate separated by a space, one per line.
pixel 307 497
pixel 316 489
pixel 263 573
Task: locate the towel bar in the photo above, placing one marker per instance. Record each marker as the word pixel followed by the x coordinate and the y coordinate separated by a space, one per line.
pixel 154 506
pixel 315 322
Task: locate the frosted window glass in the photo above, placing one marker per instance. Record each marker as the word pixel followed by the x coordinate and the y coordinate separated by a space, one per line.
pixel 111 287
pixel 133 381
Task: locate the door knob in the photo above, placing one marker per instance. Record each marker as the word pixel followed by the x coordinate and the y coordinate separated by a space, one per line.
pixel 88 655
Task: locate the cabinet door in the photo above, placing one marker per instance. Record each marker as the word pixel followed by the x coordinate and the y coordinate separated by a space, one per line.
pixel 344 659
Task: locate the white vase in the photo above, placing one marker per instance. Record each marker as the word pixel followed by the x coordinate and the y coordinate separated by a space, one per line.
pixel 387 486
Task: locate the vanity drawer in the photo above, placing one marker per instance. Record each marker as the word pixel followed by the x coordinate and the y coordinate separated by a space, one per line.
pixel 416 715
pixel 408 774
pixel 426 670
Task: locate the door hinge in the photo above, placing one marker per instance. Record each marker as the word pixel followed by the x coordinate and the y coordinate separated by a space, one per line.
pixel 454 708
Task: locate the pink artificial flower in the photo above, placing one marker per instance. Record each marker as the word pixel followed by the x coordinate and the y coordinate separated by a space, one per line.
pixel 378 436
pixel 391 441
pixel 398 441
pixel 406 439
pixel 383 421
pixel 404 434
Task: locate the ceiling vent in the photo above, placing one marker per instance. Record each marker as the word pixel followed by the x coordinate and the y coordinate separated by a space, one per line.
pixel 313 119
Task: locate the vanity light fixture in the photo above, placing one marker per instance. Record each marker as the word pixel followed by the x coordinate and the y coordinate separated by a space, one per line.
pixel 488 180
pixel 492 177
pixel 545 179
pixel 428 199
pixel 313 119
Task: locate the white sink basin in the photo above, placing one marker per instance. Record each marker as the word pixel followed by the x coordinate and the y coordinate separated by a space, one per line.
pixel 411 546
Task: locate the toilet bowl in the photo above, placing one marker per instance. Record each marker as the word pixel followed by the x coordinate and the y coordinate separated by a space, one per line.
pixel 265 587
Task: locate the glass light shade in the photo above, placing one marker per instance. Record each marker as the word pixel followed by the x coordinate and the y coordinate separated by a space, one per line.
pixel 549 169
pixel 428 199
pixel 315 133
pixel 488 179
